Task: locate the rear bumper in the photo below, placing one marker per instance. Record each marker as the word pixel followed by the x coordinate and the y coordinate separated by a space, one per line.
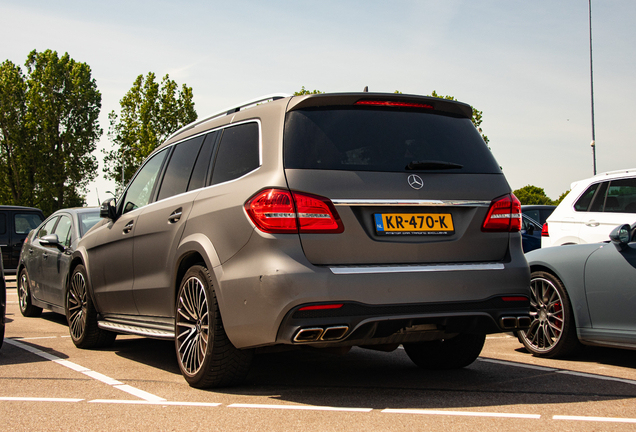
pixel 262 289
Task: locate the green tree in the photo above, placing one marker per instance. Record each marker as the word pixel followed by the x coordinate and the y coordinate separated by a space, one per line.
pixel 16 185
pixel 532 195
pixel 304 91
pixel 150 113
pixel 47 148
pixel 560 198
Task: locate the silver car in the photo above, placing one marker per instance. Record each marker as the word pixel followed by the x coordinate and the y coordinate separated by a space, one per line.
pixel 326 221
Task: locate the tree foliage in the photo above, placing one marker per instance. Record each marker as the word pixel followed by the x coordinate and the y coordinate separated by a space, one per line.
pixel 304 91
pixel 150 113
pixel 48 131
pixel 532 195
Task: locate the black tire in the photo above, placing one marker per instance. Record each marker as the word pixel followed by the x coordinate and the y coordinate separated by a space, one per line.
pixel 552 331
pixel 24 296
pixel 81 314
pixel 205 355
pixel 1 333
pixel 446 354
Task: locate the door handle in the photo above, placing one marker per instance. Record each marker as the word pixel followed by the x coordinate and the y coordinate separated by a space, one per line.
pixel 128 227
pixel 175 216
pixel 592 223
pixel 30 251
pixel 45 256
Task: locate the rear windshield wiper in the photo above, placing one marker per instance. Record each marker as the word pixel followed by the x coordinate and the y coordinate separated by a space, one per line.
pixel 432 165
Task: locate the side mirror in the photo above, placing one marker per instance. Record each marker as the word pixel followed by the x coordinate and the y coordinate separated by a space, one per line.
pixel 530 229
pixel 620 236
pixel 108 209
pixel 52 240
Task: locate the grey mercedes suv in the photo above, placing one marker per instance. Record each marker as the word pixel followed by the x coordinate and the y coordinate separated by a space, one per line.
pixel 325 221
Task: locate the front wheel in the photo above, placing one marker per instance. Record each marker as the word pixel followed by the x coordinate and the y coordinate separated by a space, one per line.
pixel 24 296
pixel 206 356
pixel 454 353
pixel 552 332
pixel 82 316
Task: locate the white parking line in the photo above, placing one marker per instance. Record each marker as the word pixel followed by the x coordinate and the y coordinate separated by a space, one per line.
pixel 560 371
pixel 596 419
pixel 300 407
pixel 167 403
pixel 95 375
pixel 462 413
pixel 521 365
pixel 37 399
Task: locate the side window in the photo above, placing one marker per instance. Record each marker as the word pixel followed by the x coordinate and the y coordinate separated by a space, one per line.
pixel 3 223
pixel 203 161
pixel 584 201
pixel 621 196
pixel 238 153
pixel 47 228
pixel 140 190
pixel 177 176
pixel 25 222
pixel 599 198
pixel 63 230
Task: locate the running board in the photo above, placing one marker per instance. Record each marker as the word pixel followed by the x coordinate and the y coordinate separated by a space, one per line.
pixel 135 330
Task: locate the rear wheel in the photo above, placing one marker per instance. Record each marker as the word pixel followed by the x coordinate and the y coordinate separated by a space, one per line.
pixel 454 353
pixel 552 332
pixel 82 316
pixel 24 296
pixel 206 356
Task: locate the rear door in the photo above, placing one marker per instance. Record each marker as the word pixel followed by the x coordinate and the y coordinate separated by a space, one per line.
pixel 411 185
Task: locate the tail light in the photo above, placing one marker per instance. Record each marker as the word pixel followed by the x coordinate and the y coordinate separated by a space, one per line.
pixel 279 211
pixel 504 215
pixel 395 104
pixel 544 230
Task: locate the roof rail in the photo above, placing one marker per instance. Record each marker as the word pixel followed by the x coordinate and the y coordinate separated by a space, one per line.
pixel 231 110
pixel 623 171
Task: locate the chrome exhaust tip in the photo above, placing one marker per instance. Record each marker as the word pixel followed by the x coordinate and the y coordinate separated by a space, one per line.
pixel 508 323
pixel 308 334
pixel 523 321
pixel 334 333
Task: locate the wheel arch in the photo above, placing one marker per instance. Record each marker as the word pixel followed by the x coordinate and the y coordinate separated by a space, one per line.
pixel 574 287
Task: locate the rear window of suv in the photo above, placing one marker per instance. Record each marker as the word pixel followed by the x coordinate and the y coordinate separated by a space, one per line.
pixel 387 140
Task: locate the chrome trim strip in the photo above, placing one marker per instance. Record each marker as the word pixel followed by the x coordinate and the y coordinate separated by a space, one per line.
pixel 415 268
pixel 406 202
pixel 141 331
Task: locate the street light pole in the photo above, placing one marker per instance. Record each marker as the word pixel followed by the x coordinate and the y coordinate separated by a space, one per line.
pixel 592 89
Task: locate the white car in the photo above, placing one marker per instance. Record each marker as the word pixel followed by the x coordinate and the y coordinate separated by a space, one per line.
pixel 592 209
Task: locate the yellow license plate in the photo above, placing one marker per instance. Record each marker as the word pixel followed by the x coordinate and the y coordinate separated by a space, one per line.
pixel 413 223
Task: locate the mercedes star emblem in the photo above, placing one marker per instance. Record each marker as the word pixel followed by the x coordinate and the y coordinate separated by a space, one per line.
pixel 415 181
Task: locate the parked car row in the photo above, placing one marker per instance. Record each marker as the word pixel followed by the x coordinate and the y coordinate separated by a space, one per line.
pixel 323 221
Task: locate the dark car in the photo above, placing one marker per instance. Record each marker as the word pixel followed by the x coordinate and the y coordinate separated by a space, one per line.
pixel 583 295
pixel 15 224
pixel 45 260
pixel 530 233
pixel 538 212
pixel 3 304
pixel 324 221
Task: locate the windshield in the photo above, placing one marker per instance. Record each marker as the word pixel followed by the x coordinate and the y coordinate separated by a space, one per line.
pixel 388 140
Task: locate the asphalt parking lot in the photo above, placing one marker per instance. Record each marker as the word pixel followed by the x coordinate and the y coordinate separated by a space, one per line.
pixel 47 383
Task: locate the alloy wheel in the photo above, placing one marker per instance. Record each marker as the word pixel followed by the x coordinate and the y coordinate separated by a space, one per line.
pixel 192 325
pixel 546 312
pixel 23 293
pixel 76 305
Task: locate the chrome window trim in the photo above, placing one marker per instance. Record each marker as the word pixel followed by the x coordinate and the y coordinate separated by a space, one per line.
pixel 412 203
pixel 415 268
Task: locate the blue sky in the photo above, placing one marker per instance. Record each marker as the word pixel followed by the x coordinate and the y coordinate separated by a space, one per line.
pixel 524 64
